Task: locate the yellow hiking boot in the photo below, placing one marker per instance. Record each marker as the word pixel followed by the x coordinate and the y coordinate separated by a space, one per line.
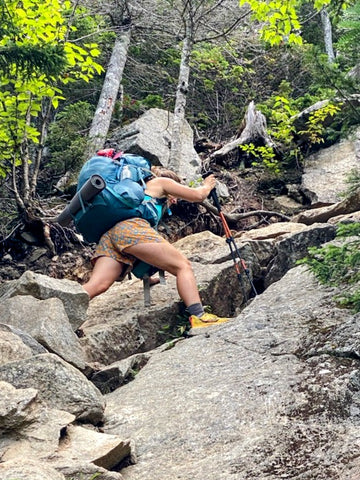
pixel 206 320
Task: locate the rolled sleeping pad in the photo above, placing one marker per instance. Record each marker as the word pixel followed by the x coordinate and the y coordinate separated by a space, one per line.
pixel 87 192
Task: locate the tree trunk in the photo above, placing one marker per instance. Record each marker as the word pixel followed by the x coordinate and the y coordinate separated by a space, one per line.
pixel 46 109
pixel 180 103
pixel 327 30
pixel 252 130
pixel 101 121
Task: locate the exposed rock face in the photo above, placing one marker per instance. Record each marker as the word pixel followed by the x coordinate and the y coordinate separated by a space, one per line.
pixel 150 136
pixel 131 328
pixel 260 397
pixel 325 173
pixel 28 469
pixel 45 321
pixel 273 393
pixel 75 300
pixel 58 383
pixel 40 351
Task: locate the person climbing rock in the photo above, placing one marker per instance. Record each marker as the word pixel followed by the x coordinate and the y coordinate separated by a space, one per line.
pixel 134 239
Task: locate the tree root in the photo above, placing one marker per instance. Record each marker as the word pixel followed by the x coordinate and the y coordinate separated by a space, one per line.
pixel 234 218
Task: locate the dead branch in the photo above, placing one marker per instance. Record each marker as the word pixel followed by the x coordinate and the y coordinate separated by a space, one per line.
pixel 47 238
pixel 253 129
pixel 240 216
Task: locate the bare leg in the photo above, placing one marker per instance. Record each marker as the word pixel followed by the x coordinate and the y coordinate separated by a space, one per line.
pixel 164 256
pixel 106 271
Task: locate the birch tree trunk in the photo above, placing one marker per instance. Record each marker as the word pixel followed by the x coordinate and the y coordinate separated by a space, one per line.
pixel 180 101
pixel 200 22
pixel 101 121
pixel 327 30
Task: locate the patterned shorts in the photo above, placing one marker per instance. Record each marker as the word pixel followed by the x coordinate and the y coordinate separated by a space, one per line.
pixel 126 234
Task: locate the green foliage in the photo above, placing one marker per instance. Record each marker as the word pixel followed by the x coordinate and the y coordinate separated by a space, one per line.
pixel 316 123
pixel 47 59
pixel 281 19
pixel 220 78
pixel 153 101
pixel 212 61
pixel 18 45
pixel 150 78
pixel 263 156
pixel 339 264
pixel 67 137
pixel 175 329
pixel 169 57
pixel 353 182
pixel 281 120
pixel 132 108
pixel 30 82
pixel 348 44
pixel 85 27
pixel 281 110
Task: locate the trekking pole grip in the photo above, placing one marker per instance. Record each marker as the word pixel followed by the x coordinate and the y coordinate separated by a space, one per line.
pixel 213 193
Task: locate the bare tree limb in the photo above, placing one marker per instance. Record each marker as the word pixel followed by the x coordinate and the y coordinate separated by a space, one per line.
pixel 240 216
pixel 254 129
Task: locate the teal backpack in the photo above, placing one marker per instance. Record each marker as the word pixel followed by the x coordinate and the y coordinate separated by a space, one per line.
pixel 110 189
pixel 123 196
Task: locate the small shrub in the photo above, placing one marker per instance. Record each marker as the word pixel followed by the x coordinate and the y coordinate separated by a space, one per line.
pixel 353 182
pixel 339 265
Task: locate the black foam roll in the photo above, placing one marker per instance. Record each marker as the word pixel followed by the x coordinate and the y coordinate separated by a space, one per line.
pixel 87 192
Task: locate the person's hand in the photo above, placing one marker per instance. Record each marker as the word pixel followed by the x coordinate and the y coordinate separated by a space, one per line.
pixel 210 182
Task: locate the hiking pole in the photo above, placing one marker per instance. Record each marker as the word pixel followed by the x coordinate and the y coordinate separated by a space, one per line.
pixel 239 262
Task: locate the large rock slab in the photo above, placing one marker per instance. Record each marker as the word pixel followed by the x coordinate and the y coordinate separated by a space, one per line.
pixel 86 445
pixel 28 470
pixel 292 248
pixel 15 406
pixel 46 321
pixel 71 293
pixel 245 399
pixel 30 342
pixel 39 439
pixel 203 247
pixel 110 335
pixel 276 231
pixel 150 136
pixel 326 172
pixel 12 347
pixel 85 471
pixel 58 384
pixel 31 430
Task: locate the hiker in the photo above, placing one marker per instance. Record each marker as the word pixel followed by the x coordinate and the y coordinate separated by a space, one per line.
pixel 134 239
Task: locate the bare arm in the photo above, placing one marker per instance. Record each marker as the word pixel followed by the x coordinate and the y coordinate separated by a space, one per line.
pixel 161 187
